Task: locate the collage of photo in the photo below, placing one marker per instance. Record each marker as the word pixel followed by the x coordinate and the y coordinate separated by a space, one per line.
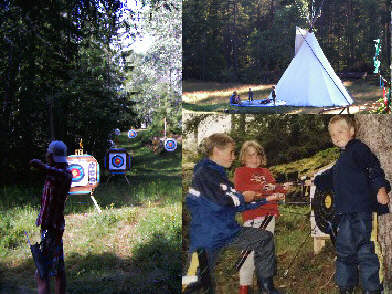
pixel 196 147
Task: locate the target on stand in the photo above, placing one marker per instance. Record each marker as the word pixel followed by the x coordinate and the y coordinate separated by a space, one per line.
pixel 117 132
pixel 170 144
pixel 132 134
pixel 118 161
pixel 85 173
pixel 77 172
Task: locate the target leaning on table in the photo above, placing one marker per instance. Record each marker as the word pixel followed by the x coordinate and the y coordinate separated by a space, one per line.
pixel 117 161
pixel 170 144
pixel 132 134
pixel 85 173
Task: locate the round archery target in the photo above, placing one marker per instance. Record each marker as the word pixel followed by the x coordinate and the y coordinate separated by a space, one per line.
pixel 132 134
pixel 85 173
pixel 117 132
pixel 77 172
pixel 170 144
pixel 117 161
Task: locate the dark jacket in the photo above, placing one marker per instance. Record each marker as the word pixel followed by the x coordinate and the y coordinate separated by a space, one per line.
pixel 213 203
pixel 355 179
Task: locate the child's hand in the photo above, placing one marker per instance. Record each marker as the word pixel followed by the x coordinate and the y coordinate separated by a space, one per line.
pixel 275 197
pixel 35 163
pixel 249 196
pixel 382 196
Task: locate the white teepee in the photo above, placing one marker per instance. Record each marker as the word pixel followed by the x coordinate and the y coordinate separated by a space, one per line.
pixel 309 80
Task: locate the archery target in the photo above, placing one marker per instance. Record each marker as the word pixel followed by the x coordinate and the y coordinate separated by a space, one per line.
pixel 170 144
pixel 117 132
pixel 132 134
pixel 79 174
pixel 117 161
pixel 85 173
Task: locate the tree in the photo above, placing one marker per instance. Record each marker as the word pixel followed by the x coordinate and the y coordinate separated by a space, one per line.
pixel 376 132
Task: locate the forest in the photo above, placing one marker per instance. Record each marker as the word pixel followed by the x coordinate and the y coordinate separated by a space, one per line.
pixel 253 41
pixel 67 73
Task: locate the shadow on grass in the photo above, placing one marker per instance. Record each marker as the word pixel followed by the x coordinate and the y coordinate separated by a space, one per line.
pixel 155 267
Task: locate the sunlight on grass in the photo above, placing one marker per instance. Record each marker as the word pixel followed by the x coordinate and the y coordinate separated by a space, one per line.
pixel 242 90
pixel 214 97
pixel 131 247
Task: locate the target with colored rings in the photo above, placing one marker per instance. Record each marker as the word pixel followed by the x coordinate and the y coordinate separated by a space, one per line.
pixel 117 161
pixel 132 134
pixel 77 172
pixel 170 144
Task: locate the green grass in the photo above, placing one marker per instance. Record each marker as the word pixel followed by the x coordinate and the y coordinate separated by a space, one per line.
pixel 214 97
pixel 131 247
pixel 306 166
pixel 307 273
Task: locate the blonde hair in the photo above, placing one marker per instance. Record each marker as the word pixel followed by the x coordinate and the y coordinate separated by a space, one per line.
pixel 347 118
pixel 259 149
pixel 218 140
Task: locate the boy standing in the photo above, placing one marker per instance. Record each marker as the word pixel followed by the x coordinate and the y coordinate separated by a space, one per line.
pixel 213 203
pixel 250 95
pixel 51 216
pixel 274 95
pixel 358 183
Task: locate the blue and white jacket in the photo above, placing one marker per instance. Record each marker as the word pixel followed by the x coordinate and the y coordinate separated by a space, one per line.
pixel 213 203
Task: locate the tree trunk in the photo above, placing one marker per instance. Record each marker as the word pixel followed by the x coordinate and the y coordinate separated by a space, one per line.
pixel 376 132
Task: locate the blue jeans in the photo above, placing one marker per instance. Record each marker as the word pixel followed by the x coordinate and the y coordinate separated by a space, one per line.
pixel 355 252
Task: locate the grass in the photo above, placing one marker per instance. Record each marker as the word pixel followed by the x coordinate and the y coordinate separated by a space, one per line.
pixel 212 96
pixel 131 247
pixel 307 273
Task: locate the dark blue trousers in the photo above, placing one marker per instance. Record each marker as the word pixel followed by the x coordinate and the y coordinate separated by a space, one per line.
pixel 356 258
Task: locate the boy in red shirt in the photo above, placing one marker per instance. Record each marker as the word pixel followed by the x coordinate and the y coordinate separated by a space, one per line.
pixel 255 182
pixel 51 216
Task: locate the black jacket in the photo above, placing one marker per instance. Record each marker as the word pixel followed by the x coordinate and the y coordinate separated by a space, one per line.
pixel 355 179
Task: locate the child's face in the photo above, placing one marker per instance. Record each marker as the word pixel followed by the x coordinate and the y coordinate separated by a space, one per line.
pixel 224 156
pixel 252 159
pixel 341 133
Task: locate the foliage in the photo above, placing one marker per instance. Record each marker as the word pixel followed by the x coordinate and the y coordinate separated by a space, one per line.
pixel 157 75
pixel 132 246
pixel 58 61
pixel 382 109
pixel 253 41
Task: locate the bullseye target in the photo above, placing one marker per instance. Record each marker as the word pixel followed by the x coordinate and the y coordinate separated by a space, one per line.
pixel 77 172
pixel 117 160
pixel 132 134
pixel 170 144
pixel 85 173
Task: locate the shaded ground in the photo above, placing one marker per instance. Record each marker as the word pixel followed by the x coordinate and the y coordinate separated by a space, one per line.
pixel 131 247
pixel 212 96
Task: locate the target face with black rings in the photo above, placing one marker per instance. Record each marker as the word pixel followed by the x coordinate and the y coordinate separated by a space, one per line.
pixel 170 144
pixel 77 172
pixel 323 205
pixel 117 161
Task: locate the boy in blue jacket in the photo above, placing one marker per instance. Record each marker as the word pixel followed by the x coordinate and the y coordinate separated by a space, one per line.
pixel 358 182
pixel 213 203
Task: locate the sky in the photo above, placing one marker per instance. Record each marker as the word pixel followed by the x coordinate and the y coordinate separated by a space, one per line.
pixel 140 42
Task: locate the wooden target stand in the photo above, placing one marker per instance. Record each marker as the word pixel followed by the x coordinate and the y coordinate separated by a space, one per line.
pixel 318 236
pixel 93 175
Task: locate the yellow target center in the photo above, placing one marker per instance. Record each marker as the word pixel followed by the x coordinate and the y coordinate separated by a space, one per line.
pixel 328 201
